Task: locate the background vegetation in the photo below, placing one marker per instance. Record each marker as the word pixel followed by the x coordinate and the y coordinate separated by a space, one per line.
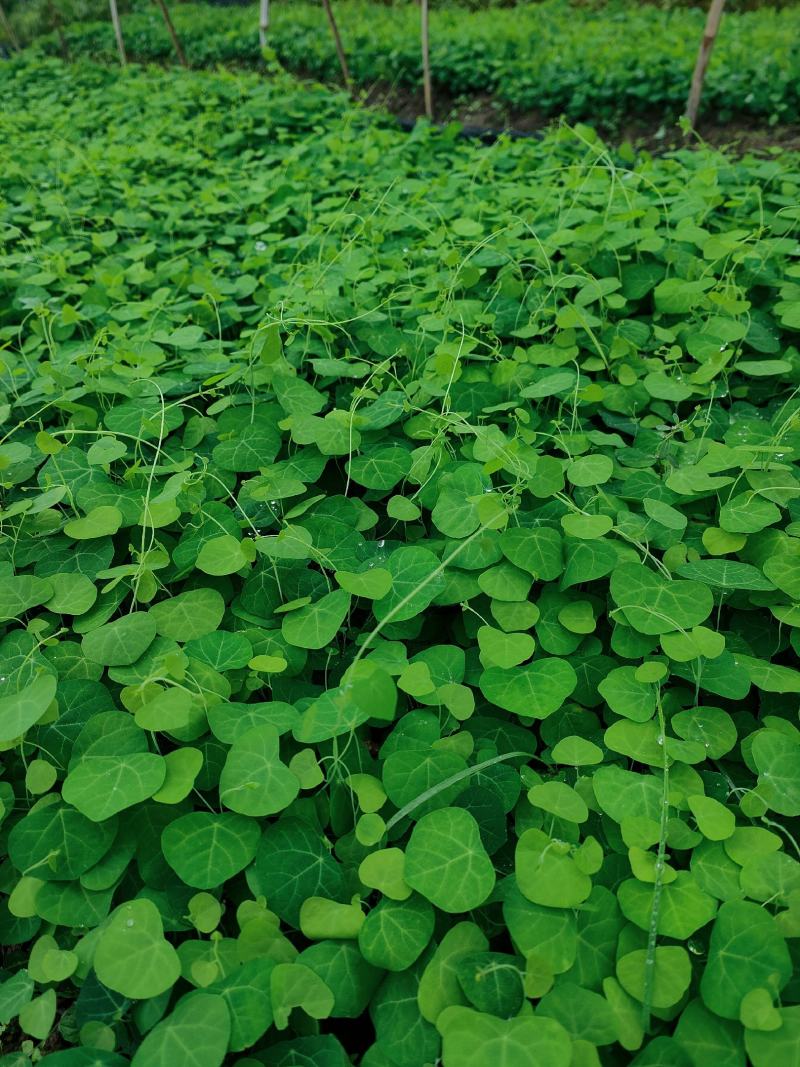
pixel 399 587
pixel 598 63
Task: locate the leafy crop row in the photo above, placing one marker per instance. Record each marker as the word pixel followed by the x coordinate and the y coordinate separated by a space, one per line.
pixel 618 62
pixel 399 588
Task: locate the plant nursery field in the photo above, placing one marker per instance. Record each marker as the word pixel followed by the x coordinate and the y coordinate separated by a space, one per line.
pixel 614 62
pixel 399 588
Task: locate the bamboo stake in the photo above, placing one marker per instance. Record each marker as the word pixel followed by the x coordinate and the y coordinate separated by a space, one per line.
pixel 337 40
pixel 55 22
pixel 426 59
pixel 9 30
pixel 703 56
pixel 123 59
pixel 263 23
pixel 171 31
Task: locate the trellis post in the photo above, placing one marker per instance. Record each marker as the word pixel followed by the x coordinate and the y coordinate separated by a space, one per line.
pixel 426 58
pixel 337 40
pixel 123 59
pixel 703 56
pixel 263 23
pixel 9 30
pixel 171 31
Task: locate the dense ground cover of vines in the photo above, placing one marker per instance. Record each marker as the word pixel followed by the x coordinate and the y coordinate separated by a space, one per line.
pixel 400 576
pixel 618 61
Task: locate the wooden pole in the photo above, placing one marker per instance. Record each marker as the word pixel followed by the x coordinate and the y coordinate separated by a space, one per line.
pixel 9 30
pixel 55 22
pixel 123 59
pixel 337 40
pixel 171 31
pixel 263 23
pixel 426 59
pixel 703 56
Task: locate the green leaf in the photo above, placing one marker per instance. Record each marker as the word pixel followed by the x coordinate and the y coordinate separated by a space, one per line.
pixel 446 861
pixel 169 709
pixel 537 550
pixel 547 873
pixel 576 751
pixel 188 615
pixel 560 800
pixel 294 986
pixel 222 555
pixel 380 468
pixel 321 918
pixel 683 906
pixel 101 786
pixel 396 933
pixel 747 514
pixel 384 870
pixel 372 584
pixel 346 973
pixel 702 1034
pixel 221 650
pixel 246 992
pixel 20 710
pixel 316 625
pixel 725 574
pixel 758 1012
pixel 779 1046
pixel 103 521
pixel 771 677
pixel 38 1015
pixel 746 952
pixel 473 1039
pixel 499 649
pixel 15 993
pixel 416 581
pixel 132 957
pixel 492 982
pixel 196 1034
pixel 73 594
pixel 439 986
pixel 534 691
pixel 590 470
pixel 784 572
pixel 627 696
pixel 252 446
pixel 55 842
pixel 665 515
pixel 116 644
pixel 676 296
pixel 254 781
pixel 21 592
pixel 584 1014
pixel 294 863
pixel 711 727
pixel 714 820
pixel 672 972
pixel 778 764
pixel 652 604
pixel 205 849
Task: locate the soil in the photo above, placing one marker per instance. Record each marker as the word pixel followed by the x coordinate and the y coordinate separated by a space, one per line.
pixel 486 117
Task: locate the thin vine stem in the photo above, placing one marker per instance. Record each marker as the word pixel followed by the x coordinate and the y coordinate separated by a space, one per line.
pixel 658 884
pixel 454 779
